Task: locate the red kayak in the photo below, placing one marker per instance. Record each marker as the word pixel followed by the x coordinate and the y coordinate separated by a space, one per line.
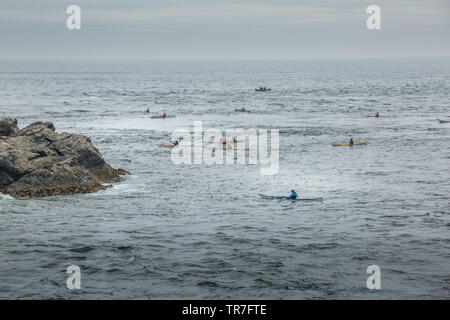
pixel 374 116
pixel 166 145
pixel 161 117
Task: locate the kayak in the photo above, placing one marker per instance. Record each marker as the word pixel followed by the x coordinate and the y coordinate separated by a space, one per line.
pixel 287 198
pixel 375 116
pixel 231 142
pixel 172 145
pixel 348 144
pixel 240 110
pixel 161 117
pixel 443 121
pixel 228 148
pixel 166 145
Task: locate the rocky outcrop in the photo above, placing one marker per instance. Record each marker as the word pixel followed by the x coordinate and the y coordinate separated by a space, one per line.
pixel 8 126
pixel 38 162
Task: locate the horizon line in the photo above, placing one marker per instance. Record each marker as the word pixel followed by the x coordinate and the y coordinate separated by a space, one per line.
pixel 244 59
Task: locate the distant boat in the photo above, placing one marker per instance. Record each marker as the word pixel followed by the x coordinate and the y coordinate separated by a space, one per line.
pixel 263 89
pixel 241 110
pixel 443 121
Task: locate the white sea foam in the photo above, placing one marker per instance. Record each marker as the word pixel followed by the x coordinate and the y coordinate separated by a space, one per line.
pixel 5 197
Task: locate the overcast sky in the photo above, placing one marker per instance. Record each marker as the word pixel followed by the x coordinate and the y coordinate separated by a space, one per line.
pixel 223 29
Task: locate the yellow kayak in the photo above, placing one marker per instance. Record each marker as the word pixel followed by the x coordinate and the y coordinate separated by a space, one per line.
pixel 229 148
pixel 348 144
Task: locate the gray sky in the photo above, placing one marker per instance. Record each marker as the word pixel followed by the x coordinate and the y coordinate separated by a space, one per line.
pixel 223 29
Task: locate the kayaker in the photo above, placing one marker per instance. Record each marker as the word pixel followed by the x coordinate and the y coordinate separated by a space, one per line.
pixel 148 110
pixel 351 141
pixel 175 143
pixel 164 115
pixel 243 109
pixel 377 115
pixel 293 195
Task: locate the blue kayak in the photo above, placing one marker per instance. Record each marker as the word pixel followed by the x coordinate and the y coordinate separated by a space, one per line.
pixel 287 198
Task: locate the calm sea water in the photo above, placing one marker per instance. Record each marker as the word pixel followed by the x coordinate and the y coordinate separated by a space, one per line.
pixel 199 231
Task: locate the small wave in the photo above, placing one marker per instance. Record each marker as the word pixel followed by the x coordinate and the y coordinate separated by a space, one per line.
pixel 124 248
pixel 5 197
pixel 83 249
pixel 207 283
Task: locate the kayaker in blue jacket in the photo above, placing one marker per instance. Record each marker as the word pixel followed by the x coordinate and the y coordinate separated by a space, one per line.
pixel 293 195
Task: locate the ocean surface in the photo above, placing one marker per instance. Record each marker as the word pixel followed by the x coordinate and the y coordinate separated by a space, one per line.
pixel 201 231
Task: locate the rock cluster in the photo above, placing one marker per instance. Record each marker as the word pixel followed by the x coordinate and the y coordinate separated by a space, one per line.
pixel 38 162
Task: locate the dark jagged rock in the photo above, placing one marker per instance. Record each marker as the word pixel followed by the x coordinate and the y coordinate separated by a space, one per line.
pixel 8 126
pixel 38 162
